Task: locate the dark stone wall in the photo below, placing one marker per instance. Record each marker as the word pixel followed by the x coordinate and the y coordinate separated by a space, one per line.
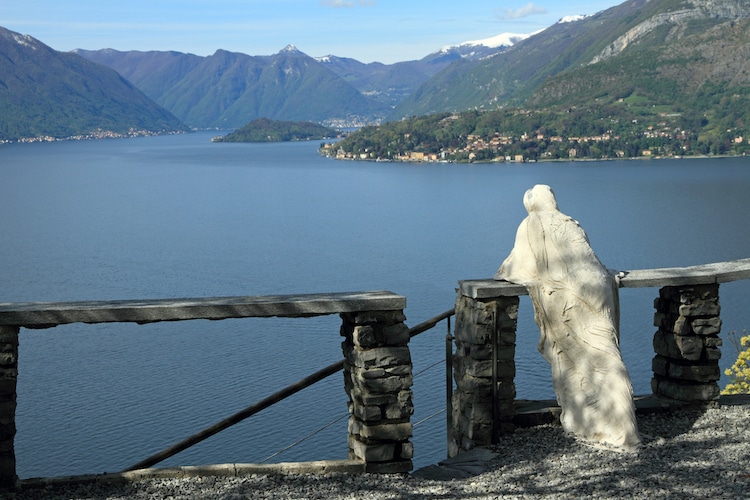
pixel 378 380
pixel 483 403
pixel 686 365
pixel 8 378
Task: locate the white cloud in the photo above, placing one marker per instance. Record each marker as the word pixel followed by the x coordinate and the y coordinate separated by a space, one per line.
pixel 347 3
pixel 527 10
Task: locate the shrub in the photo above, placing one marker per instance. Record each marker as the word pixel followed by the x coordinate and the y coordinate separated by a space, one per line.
pixel 739 373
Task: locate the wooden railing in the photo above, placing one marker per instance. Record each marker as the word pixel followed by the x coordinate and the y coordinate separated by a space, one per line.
pixel 373 321
pixel 705 274
pixel 686 344
pixel 486 313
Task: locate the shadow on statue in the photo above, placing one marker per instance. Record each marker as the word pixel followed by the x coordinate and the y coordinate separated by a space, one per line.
pixel 576 307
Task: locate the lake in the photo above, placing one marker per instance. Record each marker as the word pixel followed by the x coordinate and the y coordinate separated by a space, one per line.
pixel 179 216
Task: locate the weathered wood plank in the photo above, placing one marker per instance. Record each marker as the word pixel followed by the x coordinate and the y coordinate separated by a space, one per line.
pixel 719 272
pixel 49 314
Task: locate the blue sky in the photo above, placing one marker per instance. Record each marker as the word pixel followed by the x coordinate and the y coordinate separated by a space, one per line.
pixel 368 30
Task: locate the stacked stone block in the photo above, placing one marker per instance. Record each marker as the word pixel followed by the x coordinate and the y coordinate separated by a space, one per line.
pixel 8 377
pixel 686 365
pixel 485 335
pixel 378 380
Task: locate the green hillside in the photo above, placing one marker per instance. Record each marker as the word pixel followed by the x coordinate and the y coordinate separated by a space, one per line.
pixel 663 49
pixel 48 93
pixel 645 78
pixel 630 128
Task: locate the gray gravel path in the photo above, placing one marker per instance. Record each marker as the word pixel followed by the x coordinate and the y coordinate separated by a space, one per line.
pixel 686 455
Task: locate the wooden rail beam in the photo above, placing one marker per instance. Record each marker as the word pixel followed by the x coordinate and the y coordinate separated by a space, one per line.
pixel 50 314
pixel 719 272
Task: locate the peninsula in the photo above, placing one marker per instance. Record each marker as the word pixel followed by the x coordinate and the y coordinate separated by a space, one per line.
pixel 265 130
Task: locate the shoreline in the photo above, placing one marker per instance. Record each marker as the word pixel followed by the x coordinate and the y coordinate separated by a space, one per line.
pixel 557 160
pixel 93 136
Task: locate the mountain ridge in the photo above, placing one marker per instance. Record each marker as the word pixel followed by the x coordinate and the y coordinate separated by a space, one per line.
pixel 644 78
pixel 228 89
pixel 353 93
pixel 512 77
pixel 681 55
pixel 44 92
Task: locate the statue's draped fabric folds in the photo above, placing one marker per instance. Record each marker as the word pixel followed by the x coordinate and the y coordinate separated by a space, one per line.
pixel 576 306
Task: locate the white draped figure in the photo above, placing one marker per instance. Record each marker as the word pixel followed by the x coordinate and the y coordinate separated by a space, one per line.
pixel 576 306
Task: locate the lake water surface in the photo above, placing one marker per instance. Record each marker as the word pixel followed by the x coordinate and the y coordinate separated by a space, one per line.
pixel 178 216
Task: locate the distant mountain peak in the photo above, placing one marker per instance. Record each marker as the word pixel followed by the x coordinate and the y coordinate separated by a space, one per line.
pixel 501 40
pixel 290 49
pixel 486 46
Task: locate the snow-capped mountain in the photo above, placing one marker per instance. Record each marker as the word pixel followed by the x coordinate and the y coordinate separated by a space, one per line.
pixel 571 19
pixel 477 49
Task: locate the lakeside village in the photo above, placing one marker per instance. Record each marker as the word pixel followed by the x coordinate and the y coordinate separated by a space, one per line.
pixel 654 142
pixel 97 134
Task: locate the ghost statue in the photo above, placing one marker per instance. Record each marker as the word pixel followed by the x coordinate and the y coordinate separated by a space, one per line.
pixel 576 306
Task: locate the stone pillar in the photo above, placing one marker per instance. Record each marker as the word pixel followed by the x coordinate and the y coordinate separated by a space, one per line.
pixel 8 377
pixel 378 380
pixel 686 365
pixel 485 335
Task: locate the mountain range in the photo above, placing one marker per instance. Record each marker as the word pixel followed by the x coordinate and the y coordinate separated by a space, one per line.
pixel 688 56
pixel 666 50
pixel 227 89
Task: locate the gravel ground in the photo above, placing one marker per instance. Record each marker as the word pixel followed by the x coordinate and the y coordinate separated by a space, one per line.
pixel 687 454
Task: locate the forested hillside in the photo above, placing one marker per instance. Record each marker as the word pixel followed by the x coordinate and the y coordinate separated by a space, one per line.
pixel 629 128
pixel 645 78
pixel 265 130
pixel 56 94
pixel 662 49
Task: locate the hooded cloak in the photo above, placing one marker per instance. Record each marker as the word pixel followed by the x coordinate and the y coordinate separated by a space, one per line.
pixel 576 307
